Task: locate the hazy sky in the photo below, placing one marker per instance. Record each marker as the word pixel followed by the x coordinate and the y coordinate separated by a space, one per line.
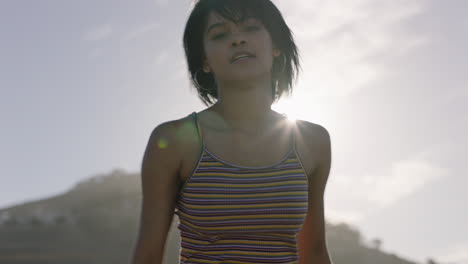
pixel 83 83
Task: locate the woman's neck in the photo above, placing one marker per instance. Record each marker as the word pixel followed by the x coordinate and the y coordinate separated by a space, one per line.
pixel 244 107
pixel 241 119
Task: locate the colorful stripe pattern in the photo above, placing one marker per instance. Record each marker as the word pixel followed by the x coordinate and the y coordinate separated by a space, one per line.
pixel 236 214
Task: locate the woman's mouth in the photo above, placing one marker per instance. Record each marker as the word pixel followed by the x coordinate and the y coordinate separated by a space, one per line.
pixel 241 55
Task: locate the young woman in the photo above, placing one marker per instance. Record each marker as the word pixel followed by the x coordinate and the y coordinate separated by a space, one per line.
pixel 246 183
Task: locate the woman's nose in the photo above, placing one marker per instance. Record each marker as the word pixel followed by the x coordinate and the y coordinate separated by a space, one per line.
pixel 238 39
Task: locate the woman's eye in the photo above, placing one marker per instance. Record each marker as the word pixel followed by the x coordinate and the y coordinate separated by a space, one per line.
pixel 223 34
pixel 253 28
pixel 219 36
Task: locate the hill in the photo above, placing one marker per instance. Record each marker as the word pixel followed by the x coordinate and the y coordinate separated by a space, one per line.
pixel 96 221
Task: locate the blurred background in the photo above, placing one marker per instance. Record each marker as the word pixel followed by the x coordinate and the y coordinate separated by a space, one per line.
pixel 83 84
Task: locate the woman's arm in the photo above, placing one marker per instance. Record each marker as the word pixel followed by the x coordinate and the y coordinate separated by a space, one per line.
pixel 312 245
pixel 159 179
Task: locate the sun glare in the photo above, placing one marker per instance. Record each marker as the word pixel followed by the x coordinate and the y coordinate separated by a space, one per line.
pixel 287 108
pixel 291 118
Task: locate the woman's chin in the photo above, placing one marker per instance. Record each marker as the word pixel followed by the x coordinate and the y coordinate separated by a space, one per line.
pixel 247 74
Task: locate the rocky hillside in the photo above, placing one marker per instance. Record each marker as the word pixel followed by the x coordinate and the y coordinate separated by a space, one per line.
pixel 96 221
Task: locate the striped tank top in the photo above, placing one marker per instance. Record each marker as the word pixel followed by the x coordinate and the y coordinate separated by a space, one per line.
pixel 236 214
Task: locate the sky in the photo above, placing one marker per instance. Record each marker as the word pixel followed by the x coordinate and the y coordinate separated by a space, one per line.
pixel 83 84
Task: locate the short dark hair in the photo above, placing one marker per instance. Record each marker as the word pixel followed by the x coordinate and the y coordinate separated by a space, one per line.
pixel 285 67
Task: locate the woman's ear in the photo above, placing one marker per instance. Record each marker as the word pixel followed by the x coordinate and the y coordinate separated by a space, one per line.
pixel 206 67
pixel 276 52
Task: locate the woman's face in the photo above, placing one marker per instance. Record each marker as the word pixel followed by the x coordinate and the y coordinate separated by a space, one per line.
pixel 223 40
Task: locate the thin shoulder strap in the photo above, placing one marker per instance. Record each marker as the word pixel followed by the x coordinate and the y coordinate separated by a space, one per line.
pixel 292 128
pixel 293 135
pixel 199 129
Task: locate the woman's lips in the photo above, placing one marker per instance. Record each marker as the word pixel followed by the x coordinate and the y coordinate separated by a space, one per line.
pixel 241 53
pixel 242 58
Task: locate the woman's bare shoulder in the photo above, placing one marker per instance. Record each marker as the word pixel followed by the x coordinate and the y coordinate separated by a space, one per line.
pixel 313 142
pixel 181 131
pixel 311 131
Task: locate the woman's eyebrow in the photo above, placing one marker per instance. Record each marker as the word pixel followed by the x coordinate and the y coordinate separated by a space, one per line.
pixel 219 24
pixel 215 25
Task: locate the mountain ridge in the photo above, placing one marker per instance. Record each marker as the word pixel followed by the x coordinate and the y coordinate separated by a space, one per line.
pixel 96 221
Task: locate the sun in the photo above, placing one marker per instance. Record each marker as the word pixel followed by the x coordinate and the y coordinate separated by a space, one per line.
pixel 288 110
pixel 291 118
